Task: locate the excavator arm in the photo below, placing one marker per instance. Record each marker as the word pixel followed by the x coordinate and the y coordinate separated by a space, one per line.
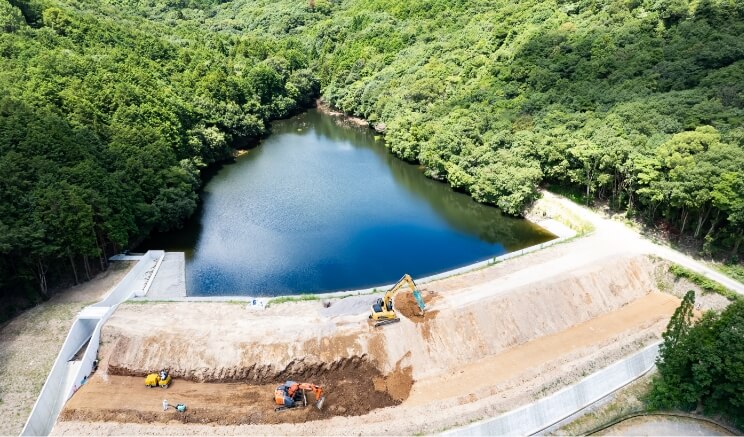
pixel 316 389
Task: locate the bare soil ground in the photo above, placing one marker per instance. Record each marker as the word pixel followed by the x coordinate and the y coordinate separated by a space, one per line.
pixel 351 391
pixel 490 340
pixel 466 358
pixel 30 343
pixel 647 312
pixel 664 425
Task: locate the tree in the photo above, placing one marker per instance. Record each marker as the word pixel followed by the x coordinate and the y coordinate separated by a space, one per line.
pixel 701 365
pixel 728 196
pixel 11 18
pixel 588 154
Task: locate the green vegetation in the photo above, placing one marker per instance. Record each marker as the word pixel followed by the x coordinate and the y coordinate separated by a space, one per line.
pixel 284 299
pixel 701 364
pixel 109 108
pixel 706 284
pixel 735 271
pixel 105 121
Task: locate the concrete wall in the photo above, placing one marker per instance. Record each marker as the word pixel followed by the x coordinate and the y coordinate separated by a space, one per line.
pixel 541 414
pixel 43 415
pixel 135 282
pixel 90 355
pixel 64 378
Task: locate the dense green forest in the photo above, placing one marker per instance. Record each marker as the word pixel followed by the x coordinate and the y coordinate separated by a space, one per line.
pixel 105 122
pixel 701 362
pixel 110 108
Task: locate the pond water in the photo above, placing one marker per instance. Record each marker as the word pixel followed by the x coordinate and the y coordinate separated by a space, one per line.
pixel 321 206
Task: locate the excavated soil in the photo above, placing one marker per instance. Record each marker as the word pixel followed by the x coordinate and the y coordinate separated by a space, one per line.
pixel 501 338
pixel 352 389
pixel 296 370
pixel 406 305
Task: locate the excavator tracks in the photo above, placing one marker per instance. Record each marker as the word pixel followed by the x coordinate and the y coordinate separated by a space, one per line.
pixel 387 322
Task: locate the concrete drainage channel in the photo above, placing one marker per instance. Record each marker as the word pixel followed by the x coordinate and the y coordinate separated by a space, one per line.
pixel 76 359
pixel 537 416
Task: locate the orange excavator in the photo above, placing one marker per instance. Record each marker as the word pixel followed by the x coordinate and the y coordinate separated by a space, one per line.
pixel 294 394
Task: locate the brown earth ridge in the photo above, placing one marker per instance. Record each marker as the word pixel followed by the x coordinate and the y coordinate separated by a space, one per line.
pixel 488 341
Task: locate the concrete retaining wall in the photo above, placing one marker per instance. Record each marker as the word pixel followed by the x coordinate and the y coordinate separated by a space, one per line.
pixel 537 416
pixel 135 282
pixel 66 377
pixel 91 354
pixel 44 414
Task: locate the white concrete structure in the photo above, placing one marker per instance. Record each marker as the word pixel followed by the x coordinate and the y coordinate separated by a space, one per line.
pixel 69 371
pixel 535 417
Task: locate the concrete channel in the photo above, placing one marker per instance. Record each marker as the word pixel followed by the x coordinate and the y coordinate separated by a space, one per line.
pixel 537 416
pixel 77 356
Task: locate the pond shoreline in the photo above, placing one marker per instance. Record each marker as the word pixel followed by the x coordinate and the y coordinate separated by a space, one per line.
pixel 322 205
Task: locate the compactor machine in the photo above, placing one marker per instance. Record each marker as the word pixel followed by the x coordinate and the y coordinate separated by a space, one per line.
pixel 160 379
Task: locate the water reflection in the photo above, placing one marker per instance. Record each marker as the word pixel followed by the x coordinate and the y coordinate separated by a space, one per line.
pixel 322 207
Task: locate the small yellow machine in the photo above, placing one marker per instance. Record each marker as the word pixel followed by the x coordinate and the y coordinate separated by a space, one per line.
pixel 161 379
pixel 382 310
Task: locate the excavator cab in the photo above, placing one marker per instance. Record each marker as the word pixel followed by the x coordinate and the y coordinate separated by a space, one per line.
pixel 380 306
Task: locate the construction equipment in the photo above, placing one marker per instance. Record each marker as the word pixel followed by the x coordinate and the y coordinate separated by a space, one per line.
pixel 294 395
pixel 161 379
pixel 382 310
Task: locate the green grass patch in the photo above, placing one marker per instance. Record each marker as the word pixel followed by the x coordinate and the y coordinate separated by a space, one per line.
pixel 285 299
pixel 734 271
pixel 701 281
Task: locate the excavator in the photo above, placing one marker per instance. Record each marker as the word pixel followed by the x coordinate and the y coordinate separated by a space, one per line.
pixel 382 310
pixel 294 394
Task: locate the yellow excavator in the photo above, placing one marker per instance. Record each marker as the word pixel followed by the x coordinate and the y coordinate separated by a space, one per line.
pixel 382 310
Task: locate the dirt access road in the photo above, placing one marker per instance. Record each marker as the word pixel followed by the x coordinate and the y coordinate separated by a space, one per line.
pixel 614 236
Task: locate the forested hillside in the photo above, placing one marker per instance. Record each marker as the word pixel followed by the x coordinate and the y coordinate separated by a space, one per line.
pixel 110 107
pixel 105 122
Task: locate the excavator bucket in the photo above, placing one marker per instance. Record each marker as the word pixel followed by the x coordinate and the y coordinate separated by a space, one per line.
pixel 320 403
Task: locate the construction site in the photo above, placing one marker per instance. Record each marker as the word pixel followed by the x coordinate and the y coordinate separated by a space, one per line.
pixel 474 352
pixel 486 342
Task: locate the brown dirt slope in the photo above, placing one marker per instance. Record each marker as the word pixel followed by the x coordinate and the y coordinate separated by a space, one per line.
pixel 496 342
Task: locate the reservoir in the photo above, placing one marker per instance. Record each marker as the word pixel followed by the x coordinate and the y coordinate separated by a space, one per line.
pixel 322 206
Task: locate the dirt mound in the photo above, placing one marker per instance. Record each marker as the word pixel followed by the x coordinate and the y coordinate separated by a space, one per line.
pixel 296 370
pixel 406 305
